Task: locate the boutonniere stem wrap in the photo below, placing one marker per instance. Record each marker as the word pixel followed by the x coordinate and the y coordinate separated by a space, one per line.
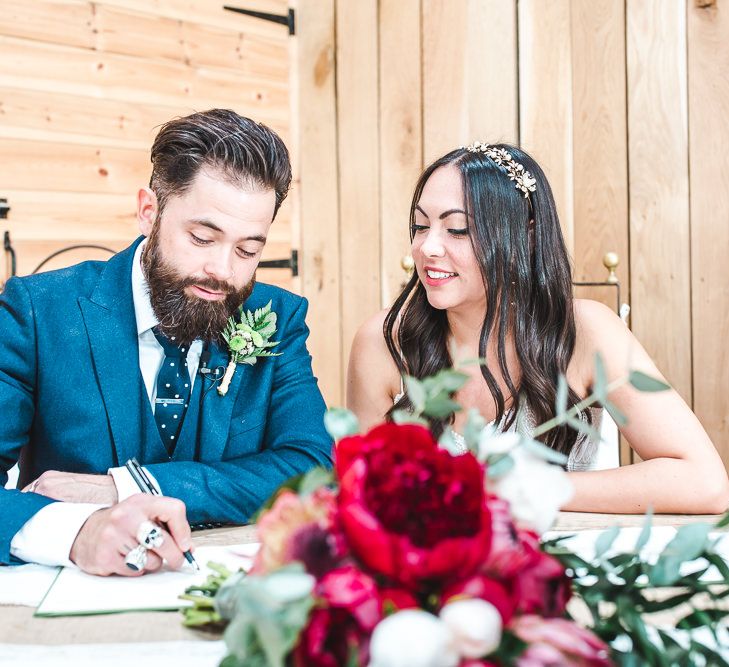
pixel 248 338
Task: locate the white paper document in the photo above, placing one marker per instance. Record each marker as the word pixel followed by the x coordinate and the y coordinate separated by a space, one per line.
pixel 76 593
pixel 148 654
pixel 25 585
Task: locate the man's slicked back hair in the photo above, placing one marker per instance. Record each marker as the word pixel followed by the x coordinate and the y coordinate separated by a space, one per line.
pixel 242 151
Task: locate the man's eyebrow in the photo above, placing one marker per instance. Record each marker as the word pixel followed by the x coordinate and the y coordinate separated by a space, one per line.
pixel 211 225
pixel 443 215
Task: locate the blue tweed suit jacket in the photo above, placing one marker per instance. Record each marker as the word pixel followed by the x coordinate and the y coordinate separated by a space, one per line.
pixel 72 398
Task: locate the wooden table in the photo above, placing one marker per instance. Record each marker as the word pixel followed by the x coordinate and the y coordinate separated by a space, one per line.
pixel 19 626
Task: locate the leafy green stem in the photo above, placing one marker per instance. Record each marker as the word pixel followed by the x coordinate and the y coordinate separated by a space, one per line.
pixel 576 409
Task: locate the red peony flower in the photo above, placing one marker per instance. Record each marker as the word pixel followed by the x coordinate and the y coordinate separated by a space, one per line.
pixel 410 510
pixel 484 588
pixel 349 607
pixel 541 587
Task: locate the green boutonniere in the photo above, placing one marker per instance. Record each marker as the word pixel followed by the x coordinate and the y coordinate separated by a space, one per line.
pixel 248 339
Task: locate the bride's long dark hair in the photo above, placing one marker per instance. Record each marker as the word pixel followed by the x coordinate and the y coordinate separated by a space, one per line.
pixel 526 272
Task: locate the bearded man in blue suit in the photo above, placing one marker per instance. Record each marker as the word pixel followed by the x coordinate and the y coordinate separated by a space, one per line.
pixel 83 352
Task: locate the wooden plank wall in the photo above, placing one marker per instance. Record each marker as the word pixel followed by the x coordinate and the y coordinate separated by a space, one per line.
pixel 83 86
pixel 623 102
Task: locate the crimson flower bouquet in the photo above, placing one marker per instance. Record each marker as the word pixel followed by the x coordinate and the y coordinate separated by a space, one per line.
pixel 414 555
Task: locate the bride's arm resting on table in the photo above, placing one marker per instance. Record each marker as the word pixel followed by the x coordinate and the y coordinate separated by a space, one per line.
pixel 681 471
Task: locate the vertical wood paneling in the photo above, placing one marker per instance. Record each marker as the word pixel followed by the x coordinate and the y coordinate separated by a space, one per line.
pixel 599 123
pixel 659 197
pixel 359 180
pixel 318 197
pixel 708 98
pixel 545 98
pixel 469 74
pixel 401 148
pixel 600 148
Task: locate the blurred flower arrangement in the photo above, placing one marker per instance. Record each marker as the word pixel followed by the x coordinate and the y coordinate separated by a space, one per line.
pixel 410 555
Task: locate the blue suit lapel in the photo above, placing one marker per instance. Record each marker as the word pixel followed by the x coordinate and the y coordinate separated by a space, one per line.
pixel 217 410
pixel 112 331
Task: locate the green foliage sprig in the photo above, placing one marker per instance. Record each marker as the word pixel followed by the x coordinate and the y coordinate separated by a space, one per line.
pixel 249 337
pixel 620 588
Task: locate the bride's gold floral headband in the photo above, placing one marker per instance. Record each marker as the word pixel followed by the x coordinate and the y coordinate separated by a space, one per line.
pixel 523 179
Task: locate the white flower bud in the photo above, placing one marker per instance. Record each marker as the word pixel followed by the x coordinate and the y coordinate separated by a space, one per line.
pixel 475 624
pixel 412 638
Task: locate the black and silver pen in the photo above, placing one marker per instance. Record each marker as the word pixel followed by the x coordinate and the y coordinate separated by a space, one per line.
pixel 146 486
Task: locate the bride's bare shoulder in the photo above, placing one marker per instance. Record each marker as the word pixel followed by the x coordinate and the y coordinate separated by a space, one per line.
pixel 369 341
pixel 372 376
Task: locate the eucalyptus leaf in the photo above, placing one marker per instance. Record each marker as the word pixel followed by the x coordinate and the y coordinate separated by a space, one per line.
pixel 416 392
pixel 562 395
pixel 689 542
pixel 600 385
pixel 583 427
pixel 315 479
pixel 448 442
pixel 605 541
pixel 618 417
pixel 449 380
pixel 701 618
pixel 540 450
pixel 440 407
pixel 340 423
pixel 475 425
pixel 643 382
pixel 472 361
pixel 645 533
pixel 723 522
pixel 502 464
pixel 407 417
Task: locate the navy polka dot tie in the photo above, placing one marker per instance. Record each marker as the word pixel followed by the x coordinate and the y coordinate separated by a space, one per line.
pixel 173 391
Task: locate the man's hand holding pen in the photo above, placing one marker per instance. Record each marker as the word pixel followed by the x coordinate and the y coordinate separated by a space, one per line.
pixel 105 541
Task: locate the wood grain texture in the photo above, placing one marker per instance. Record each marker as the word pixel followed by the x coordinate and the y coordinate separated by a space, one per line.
pixel 359 178
pixel 67 167
pixel 600 146
pixel 69 22
pixel 545 98
pixel 469 81
pixel 211 12
pixel 401 140
pixel 56 68
pixel 708 99
pixel 319 214
pixel 660 270
pixel 144 35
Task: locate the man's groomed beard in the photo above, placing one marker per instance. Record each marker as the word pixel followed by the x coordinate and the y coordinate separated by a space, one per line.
pixel 180 315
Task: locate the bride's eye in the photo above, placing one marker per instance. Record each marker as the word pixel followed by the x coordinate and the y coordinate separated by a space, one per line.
pixel 459 232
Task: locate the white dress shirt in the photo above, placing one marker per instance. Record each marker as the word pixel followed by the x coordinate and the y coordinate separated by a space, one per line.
pixel 48 536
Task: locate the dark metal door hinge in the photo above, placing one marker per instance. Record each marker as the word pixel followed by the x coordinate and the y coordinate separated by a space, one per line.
pixel 288 20
pixel 291 263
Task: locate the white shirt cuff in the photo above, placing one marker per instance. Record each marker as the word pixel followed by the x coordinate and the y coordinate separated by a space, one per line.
pixel 125 484
pixel 47 538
